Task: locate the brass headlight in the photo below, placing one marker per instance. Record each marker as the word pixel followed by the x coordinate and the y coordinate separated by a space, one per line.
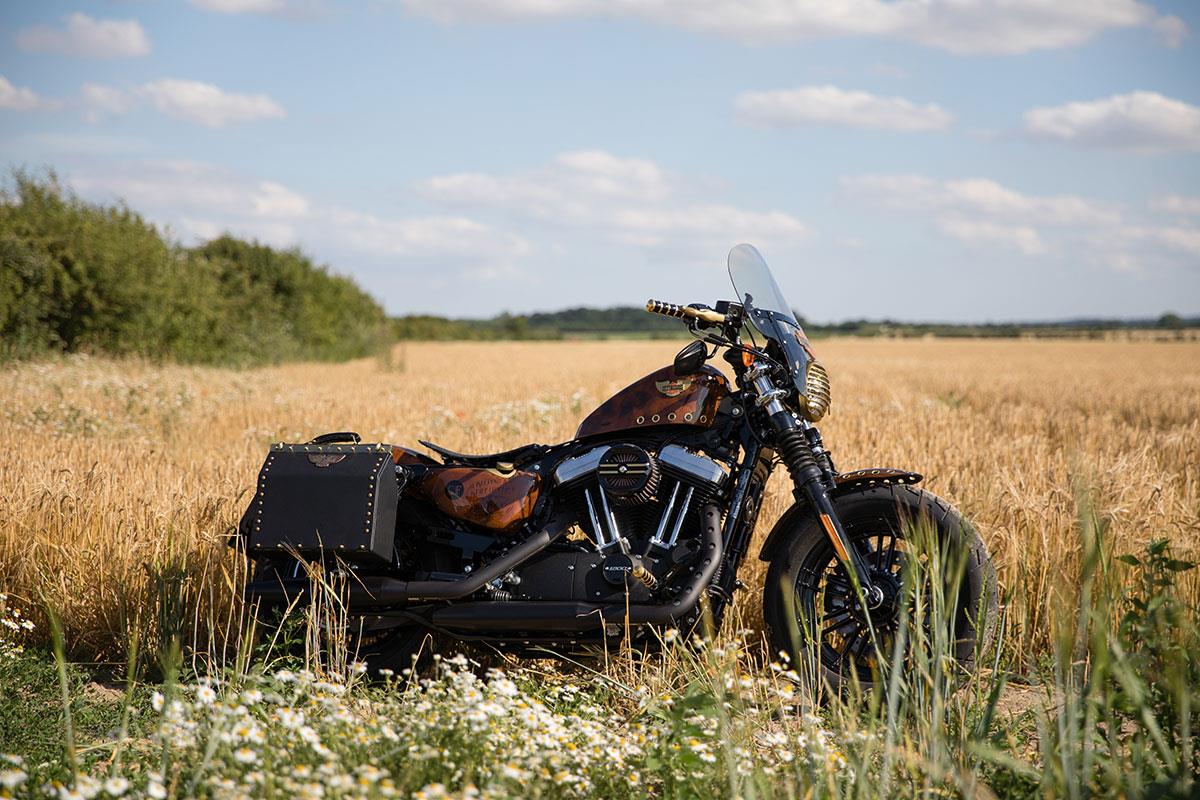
pixel 816 391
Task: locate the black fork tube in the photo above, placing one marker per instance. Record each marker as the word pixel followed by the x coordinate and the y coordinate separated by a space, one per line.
pixel 808 483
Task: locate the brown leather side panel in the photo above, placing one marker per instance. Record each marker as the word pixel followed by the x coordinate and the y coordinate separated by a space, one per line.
pixel 660 398
pixel 483 497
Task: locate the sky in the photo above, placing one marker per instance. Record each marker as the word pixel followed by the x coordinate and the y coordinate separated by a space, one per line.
pixel 939 160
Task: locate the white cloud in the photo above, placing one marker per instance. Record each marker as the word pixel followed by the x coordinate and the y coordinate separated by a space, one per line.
pixel 99 100
pixel 829 105
pixel 1185 240
pixel 978 196
pixel 19 98
pixel 1177 204
pixel 961 26
pixel 615 199
pixel 986 214
pixel 275 8
pixel 1140 121
pixel 205 104
pixel 189 187
pixel 1020 237
pixel 1133 247
pixel 567 188
pixel 200 201
pixel 84 36
pixel 241 6
pixel 602 173
pixel 428 237
pixel 275 200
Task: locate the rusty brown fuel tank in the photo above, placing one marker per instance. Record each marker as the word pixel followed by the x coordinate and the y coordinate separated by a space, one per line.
pixel 660 398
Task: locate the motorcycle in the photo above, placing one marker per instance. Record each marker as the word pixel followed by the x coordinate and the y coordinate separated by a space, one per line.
pixel 637 525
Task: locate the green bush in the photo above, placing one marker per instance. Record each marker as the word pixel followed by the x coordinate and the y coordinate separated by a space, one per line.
pixel 82 277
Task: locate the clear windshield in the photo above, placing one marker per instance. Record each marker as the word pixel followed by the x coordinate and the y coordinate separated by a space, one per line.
pixel 768 309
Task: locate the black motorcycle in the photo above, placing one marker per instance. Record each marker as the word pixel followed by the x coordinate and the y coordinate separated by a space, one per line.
pixel 636 525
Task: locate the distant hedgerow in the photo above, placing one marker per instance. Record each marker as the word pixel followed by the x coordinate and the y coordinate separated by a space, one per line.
pixel 78 276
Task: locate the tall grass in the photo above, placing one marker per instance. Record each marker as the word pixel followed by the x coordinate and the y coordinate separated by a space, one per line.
pixel 107 457
pixel 125 477
pixel 707 717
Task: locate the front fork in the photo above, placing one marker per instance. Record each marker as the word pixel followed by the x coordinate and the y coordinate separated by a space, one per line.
pixel 808 483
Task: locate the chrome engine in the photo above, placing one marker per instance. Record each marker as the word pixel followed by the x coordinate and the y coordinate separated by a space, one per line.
pixel 632 500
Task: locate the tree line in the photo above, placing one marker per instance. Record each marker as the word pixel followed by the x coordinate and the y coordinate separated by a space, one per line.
pixel 634 322
pixel 77 276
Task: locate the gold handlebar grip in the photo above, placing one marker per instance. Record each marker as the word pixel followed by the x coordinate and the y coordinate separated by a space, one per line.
pixel 683 312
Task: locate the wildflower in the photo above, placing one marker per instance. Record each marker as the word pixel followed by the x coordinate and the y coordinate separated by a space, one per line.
pixel 12 778
pixel 205 695
pixel 432 791
pixel 369 774
pixel 290 718
pixel 244 755
pixel 157 700
pixel 116 786
pixel 513 772
pixel 87 786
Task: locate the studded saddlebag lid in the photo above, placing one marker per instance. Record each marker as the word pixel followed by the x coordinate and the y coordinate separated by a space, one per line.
pixel 333 499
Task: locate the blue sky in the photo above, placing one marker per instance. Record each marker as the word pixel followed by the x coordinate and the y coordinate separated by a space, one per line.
pixel 916 159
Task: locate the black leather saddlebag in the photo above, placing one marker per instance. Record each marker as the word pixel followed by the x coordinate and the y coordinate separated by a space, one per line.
pixel 325 499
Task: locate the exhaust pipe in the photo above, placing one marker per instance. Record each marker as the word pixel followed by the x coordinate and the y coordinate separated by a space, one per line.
pixel 368 591
pixel 548 616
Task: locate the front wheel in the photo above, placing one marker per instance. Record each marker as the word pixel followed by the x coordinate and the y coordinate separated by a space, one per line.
pixel 905 535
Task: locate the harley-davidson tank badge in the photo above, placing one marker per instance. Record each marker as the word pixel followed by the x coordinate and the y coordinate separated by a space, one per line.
pixel 674 388
pixel 323 460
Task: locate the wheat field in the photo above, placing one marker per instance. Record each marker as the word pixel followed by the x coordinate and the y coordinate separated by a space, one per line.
pixel 120 479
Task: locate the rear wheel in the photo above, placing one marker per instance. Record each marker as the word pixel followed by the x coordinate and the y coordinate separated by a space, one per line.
pixel 814 616
pixel 382 643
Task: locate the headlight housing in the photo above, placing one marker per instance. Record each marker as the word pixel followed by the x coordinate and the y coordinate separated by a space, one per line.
pixel 816 392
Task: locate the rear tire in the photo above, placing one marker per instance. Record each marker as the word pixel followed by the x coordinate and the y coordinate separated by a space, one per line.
pixel 810 610
pixel 384 645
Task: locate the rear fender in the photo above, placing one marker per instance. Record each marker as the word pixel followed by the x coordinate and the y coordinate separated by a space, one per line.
pixel 845 483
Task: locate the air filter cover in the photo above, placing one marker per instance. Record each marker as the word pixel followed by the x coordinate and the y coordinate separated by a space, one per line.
pixel 628 474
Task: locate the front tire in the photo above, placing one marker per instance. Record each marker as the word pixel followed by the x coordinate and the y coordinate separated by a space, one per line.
pixel 811 611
